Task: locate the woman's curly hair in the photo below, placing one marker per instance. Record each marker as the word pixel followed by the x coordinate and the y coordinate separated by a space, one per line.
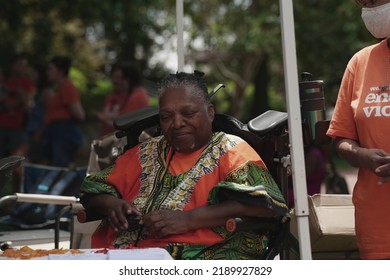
pixel 196 81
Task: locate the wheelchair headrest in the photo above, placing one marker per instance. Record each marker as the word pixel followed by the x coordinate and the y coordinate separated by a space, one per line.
pixel 136 121
pixel 270 121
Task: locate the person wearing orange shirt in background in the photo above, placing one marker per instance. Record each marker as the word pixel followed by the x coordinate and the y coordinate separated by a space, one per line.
pixel 360 127
pixel 62 136
pixel 128 95
pixel 15 102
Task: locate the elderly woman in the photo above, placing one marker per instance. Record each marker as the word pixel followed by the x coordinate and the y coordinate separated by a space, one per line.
pixel 184 185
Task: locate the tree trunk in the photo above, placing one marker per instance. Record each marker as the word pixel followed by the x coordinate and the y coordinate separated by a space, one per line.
pixel 237 108
pixel 261 81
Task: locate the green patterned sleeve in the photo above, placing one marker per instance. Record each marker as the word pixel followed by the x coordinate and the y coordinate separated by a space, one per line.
pixel 250 184
pixel 97 184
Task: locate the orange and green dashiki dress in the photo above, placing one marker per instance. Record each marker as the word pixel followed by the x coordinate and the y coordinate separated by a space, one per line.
pixel 151 178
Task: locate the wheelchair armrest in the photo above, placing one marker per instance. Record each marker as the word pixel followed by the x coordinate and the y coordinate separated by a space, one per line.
pixel 40 198
pixel 10 163
pixel 260 225
pixel 136 121
pixel 85 216
pixel 267 122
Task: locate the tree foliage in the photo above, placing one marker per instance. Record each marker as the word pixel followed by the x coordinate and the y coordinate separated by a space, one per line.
pixel 328 34
pixel 237 42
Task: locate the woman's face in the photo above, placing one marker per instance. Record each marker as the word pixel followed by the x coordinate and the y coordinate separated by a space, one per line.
pixel 53 73
pixel 119 82
pixel 185 119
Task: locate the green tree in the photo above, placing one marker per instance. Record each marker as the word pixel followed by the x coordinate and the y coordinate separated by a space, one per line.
pixel 241 42
pixel 328 34
pixel 235 42
pixel 238 40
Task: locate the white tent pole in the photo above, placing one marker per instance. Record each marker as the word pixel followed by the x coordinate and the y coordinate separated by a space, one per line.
pixel 295 127
pixel 180 39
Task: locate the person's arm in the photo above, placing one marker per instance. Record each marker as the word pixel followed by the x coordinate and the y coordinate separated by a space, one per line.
pixel 104 116
pixel 218 214
pixel 377 160
pixel 360 157
pixel 114 209
pixel 77 111
pixel 165 222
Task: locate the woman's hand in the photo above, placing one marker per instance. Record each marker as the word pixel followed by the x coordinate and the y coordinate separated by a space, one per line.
pixel 361 157
pixel 383 171
pixel 118 212
pixel 165 222
pixel 374 158
pixel 377 160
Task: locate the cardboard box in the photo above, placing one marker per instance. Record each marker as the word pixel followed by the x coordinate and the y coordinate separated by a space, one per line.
pixel 331 223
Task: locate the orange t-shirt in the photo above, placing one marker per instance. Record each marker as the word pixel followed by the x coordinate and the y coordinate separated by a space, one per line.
pixel 118 105
pixel 57 107
pixel 16 117
pixel 362 113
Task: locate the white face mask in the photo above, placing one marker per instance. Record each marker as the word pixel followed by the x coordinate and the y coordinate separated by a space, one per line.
pixel 377 20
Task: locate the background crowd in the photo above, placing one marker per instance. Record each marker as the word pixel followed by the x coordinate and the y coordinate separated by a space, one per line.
pixel 41 112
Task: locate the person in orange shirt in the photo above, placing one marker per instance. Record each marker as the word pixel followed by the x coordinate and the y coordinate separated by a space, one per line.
pixel 63 112
pixel 360 126
pixel 15 103
pixel 185 184
pixel 16 100
pixel 128 95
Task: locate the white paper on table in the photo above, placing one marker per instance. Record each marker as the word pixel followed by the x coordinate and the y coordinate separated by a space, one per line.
pixel 139 254
pixel 83 256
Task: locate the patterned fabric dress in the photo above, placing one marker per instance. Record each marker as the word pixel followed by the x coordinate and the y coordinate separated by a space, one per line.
pixel 152 177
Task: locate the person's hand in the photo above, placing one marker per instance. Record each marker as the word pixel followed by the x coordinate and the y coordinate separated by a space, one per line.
pixel 383 171
pixel 165 222
pixel 102 116
pixel 96 114
pixel 118 212
pixel 378 161
pixel 373 159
